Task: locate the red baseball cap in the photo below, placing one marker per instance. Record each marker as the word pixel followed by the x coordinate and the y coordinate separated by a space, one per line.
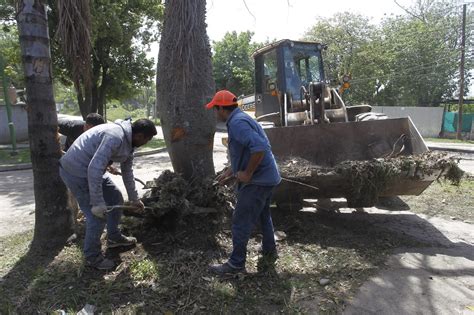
pixel 222 98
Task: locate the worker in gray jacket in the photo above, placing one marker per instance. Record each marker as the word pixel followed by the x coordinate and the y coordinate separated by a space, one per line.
pixel 82 169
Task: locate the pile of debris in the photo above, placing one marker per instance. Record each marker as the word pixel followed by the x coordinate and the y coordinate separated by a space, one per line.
pixel 172 196
pixel 365 180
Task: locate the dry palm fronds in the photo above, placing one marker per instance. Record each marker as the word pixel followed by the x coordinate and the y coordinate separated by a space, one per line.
pixel 74 34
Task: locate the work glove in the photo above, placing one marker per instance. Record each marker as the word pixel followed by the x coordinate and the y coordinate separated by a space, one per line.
pixel 99 211
pixel 113 170
pixel 225 177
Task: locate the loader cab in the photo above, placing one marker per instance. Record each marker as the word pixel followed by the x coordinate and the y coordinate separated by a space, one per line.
pixel 283 70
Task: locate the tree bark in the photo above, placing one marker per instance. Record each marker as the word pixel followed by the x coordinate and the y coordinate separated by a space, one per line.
pixel 80 99
pixel 184 85
pixel 84 99
pixel 53 223
pixel 101 101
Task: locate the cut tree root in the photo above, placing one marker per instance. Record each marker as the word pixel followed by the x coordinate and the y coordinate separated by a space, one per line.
pixel 172 197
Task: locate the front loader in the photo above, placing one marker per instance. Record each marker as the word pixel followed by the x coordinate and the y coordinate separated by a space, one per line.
pixel 304 118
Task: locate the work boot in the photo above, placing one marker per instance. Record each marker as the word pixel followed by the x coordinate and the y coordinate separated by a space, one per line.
pixel 225 269
pixel 121 241
pixel 100 263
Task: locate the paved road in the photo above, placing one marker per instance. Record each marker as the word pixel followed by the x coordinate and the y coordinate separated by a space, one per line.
pixel 450 145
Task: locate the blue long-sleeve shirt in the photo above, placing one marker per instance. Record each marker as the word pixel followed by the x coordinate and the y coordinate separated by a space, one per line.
pixel 246 137
pixel 90 154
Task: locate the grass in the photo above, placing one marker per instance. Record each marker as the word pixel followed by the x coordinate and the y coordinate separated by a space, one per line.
pixel 12 249
pixel 445 200
pixel 119 112
pixel 153 144
pixel 23 156
pixel 116 111
pixel 167 271
pixel 145 270
pixel 449 140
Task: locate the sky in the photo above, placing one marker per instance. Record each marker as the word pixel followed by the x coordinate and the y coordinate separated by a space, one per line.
pixel 286 19
pixel 279 19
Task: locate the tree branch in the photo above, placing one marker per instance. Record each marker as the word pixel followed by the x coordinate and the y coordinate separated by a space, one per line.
pixel 250 12
pixel 409 12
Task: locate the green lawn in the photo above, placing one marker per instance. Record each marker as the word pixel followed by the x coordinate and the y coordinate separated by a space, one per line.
pixel 119 112
pixel 153 144
pixel 6 158
pixel 115 112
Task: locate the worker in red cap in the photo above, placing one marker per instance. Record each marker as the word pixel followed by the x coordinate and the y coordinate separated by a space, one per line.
pixel 256 172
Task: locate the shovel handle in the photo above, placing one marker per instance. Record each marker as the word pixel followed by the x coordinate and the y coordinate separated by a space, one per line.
pixel 300 183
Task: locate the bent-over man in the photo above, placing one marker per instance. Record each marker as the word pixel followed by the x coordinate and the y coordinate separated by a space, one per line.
pixel 82 169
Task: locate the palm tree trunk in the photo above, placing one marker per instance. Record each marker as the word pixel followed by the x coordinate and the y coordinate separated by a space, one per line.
pixel 53 222
pixel 184 85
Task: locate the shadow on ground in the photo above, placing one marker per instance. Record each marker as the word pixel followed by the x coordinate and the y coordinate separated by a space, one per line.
pixel 167 270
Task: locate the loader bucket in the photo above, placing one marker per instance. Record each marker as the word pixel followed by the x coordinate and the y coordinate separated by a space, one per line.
pixel 327 145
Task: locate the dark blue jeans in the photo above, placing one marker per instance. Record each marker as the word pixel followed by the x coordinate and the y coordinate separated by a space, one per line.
pixel 95 226
pixel 252 208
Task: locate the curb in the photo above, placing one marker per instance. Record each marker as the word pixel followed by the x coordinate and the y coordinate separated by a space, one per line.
pixel 15 167
pixel 28 166
pixel 150 152
pixel 438 148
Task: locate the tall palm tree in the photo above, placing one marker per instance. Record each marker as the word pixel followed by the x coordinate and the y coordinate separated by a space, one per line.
pixel 184 85
pixel 53 222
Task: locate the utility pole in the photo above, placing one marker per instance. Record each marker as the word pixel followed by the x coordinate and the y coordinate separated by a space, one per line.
pixel 461 80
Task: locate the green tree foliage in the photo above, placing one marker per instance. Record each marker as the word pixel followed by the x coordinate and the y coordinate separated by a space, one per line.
pixel 7 13
pixel 346 34
pixel 407 60
pixel 10 51
pixel 233 65
pixel 9 44
pixel 122 31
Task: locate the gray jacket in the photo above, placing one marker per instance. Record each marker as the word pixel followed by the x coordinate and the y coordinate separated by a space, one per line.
pixel 89 156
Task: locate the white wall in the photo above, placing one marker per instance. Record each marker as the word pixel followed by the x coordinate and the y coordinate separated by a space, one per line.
pixel 426 119
pixel 20 122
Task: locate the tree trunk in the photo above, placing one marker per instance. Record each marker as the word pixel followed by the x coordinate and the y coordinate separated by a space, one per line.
pixel 53 222
pixel 80 99
pixel 99 90
pixel 184 85
pixel 95 86
pixel 84 99
pixel 101 101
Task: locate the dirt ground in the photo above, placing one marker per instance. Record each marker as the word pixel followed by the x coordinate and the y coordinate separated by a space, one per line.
pixel 328 262
pixel 167 270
